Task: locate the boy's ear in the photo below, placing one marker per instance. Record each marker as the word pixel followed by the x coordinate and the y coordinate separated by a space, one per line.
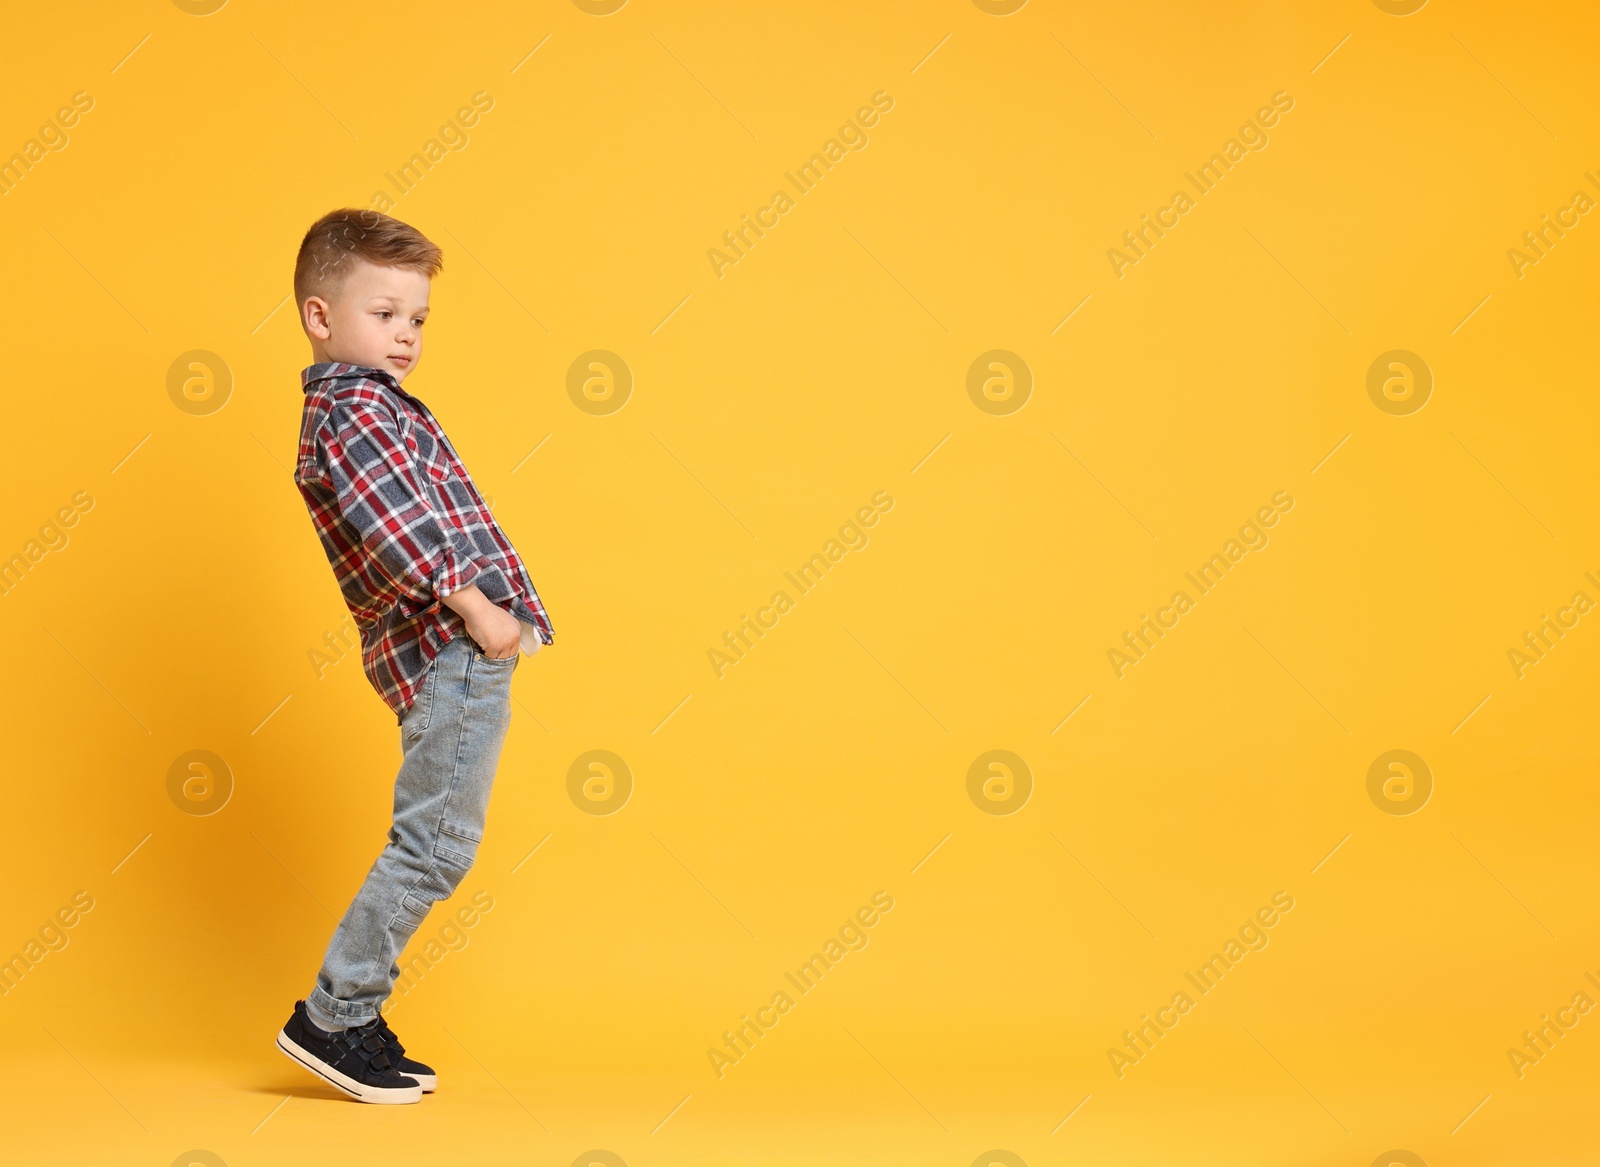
pixel 314 316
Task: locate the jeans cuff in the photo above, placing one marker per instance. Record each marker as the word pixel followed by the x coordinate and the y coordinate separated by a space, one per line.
pixel 351 1015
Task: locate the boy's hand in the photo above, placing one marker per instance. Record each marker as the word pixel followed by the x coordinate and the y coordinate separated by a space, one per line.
pixel 497 632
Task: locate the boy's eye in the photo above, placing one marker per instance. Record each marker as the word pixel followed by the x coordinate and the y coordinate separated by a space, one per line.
pixel 417 320
pixel 384 313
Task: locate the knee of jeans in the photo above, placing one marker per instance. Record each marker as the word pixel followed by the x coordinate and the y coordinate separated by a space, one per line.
pixel 454 856
pixel 438 883
pixel 406 850
pixel 415 905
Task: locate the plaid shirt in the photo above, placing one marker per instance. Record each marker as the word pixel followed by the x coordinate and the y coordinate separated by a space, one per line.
pixel 402 524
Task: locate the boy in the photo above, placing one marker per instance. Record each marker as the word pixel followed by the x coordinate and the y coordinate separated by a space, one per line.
pixel 443 603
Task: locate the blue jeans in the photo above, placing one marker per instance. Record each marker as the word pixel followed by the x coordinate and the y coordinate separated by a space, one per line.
pixel 450 739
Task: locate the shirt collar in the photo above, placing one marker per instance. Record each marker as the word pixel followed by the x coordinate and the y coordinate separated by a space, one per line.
pixel 328 370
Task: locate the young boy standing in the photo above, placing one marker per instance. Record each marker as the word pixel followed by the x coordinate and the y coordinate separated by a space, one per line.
pixel 443 603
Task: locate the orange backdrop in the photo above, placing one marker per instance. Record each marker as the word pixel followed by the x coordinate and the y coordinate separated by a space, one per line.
pixel 1071 537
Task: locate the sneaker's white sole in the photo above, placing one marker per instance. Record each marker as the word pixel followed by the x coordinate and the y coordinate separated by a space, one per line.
pixel 428 1082
pixel 357 1090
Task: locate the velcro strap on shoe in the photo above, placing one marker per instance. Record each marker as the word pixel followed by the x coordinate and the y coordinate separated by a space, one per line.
pixel 368 1046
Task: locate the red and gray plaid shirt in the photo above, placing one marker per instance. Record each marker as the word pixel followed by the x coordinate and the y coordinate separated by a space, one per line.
pixel 402 524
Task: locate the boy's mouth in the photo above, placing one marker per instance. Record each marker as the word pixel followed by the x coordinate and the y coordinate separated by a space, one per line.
pixel 403 361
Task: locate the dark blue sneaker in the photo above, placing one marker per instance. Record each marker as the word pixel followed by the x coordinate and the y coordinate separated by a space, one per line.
pixel 356 1060
pixel 410 1067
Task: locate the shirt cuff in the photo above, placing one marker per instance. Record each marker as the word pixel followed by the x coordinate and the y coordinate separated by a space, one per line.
pixel 454 574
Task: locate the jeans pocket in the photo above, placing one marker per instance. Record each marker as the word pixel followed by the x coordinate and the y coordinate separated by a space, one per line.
pixel 421 711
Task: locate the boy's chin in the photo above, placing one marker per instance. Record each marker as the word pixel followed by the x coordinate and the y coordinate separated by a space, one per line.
pixel 395 369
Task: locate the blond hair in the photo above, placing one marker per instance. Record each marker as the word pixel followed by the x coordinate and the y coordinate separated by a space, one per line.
pixel 339 237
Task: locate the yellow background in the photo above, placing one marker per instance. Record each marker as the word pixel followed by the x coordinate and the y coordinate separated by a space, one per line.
pixel 769 405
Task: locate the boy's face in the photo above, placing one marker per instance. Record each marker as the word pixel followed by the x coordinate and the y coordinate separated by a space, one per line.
pixel 374 319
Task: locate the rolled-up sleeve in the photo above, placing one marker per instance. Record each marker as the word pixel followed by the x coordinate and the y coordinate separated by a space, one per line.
pixel 379 493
